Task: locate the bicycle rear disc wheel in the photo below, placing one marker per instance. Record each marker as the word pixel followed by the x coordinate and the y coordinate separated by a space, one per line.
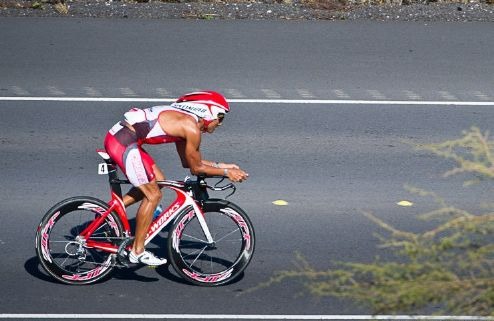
pixel 218 263
pixel 63 255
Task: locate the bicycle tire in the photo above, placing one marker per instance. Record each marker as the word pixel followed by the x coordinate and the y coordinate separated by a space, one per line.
pixel 212 264
pixel 61 255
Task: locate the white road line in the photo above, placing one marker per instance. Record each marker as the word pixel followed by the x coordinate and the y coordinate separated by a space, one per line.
pixel 261 101
pixel 88 99
pixel 243 317
pixel 362 102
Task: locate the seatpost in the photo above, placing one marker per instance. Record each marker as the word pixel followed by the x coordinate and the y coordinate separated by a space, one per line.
pixel 113 180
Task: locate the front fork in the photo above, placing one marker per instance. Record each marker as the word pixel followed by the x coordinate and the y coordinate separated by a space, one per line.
pixel 202 221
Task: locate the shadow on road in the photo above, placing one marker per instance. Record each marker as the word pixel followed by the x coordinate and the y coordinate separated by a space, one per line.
pixel 33 267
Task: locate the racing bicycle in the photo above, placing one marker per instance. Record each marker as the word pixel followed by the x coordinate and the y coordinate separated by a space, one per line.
pixel 82 239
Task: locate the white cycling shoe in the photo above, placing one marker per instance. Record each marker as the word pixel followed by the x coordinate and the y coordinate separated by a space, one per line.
pixel 147 258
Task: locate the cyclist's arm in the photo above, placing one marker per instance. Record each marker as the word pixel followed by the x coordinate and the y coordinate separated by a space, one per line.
pixel 181 152
pixel 220 165
pixel 191 158
pixel 190 155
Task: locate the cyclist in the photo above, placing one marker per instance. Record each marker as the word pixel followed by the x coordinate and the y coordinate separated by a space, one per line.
pixel 182 123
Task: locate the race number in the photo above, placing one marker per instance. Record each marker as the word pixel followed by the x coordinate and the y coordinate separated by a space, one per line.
pixel 103 169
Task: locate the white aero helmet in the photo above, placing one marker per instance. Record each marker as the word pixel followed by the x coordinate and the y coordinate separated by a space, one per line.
pixel 204 104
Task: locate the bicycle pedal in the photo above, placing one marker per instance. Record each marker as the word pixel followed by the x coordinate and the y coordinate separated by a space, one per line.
pixel 123 252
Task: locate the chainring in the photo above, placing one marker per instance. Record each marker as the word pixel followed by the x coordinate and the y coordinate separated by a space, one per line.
pixel 123 252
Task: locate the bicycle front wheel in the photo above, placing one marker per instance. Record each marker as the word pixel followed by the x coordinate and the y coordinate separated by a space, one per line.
pixel 65 256
pixel 217 263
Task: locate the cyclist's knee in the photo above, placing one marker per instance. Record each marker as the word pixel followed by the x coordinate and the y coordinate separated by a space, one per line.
pixel 155 195
pixel 152 192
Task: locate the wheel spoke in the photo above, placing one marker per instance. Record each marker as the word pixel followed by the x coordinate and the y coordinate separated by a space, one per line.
pixel 195 238
pixel 202 251
pixel 221 239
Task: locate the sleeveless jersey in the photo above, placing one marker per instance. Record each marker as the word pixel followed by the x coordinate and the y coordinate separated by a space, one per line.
pixel 146 125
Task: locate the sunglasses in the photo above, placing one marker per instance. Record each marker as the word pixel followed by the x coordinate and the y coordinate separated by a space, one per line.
pixel 220 118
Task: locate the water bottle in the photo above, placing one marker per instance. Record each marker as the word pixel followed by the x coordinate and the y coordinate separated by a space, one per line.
pixel 157 211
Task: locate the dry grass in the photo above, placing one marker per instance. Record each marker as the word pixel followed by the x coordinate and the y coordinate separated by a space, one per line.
pixel 59 5
pixel 12 4
pixel 61 8
pixel 324 4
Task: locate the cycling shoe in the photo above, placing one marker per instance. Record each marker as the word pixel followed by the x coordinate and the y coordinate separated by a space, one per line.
pixel 147 258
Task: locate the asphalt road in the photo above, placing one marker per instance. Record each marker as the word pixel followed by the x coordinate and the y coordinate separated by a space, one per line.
pixel 329 161
pixel 153 58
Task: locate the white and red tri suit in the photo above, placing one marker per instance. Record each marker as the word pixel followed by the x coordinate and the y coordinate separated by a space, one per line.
pixel 124 145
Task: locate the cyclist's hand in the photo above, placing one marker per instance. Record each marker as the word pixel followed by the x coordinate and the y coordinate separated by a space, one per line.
pixel 236 175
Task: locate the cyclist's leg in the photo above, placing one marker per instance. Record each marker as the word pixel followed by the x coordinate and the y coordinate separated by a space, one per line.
pixel 135 195
pixel 152 196
pixel 139 168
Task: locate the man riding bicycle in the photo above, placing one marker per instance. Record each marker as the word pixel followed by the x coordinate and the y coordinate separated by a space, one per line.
pixel 181 123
